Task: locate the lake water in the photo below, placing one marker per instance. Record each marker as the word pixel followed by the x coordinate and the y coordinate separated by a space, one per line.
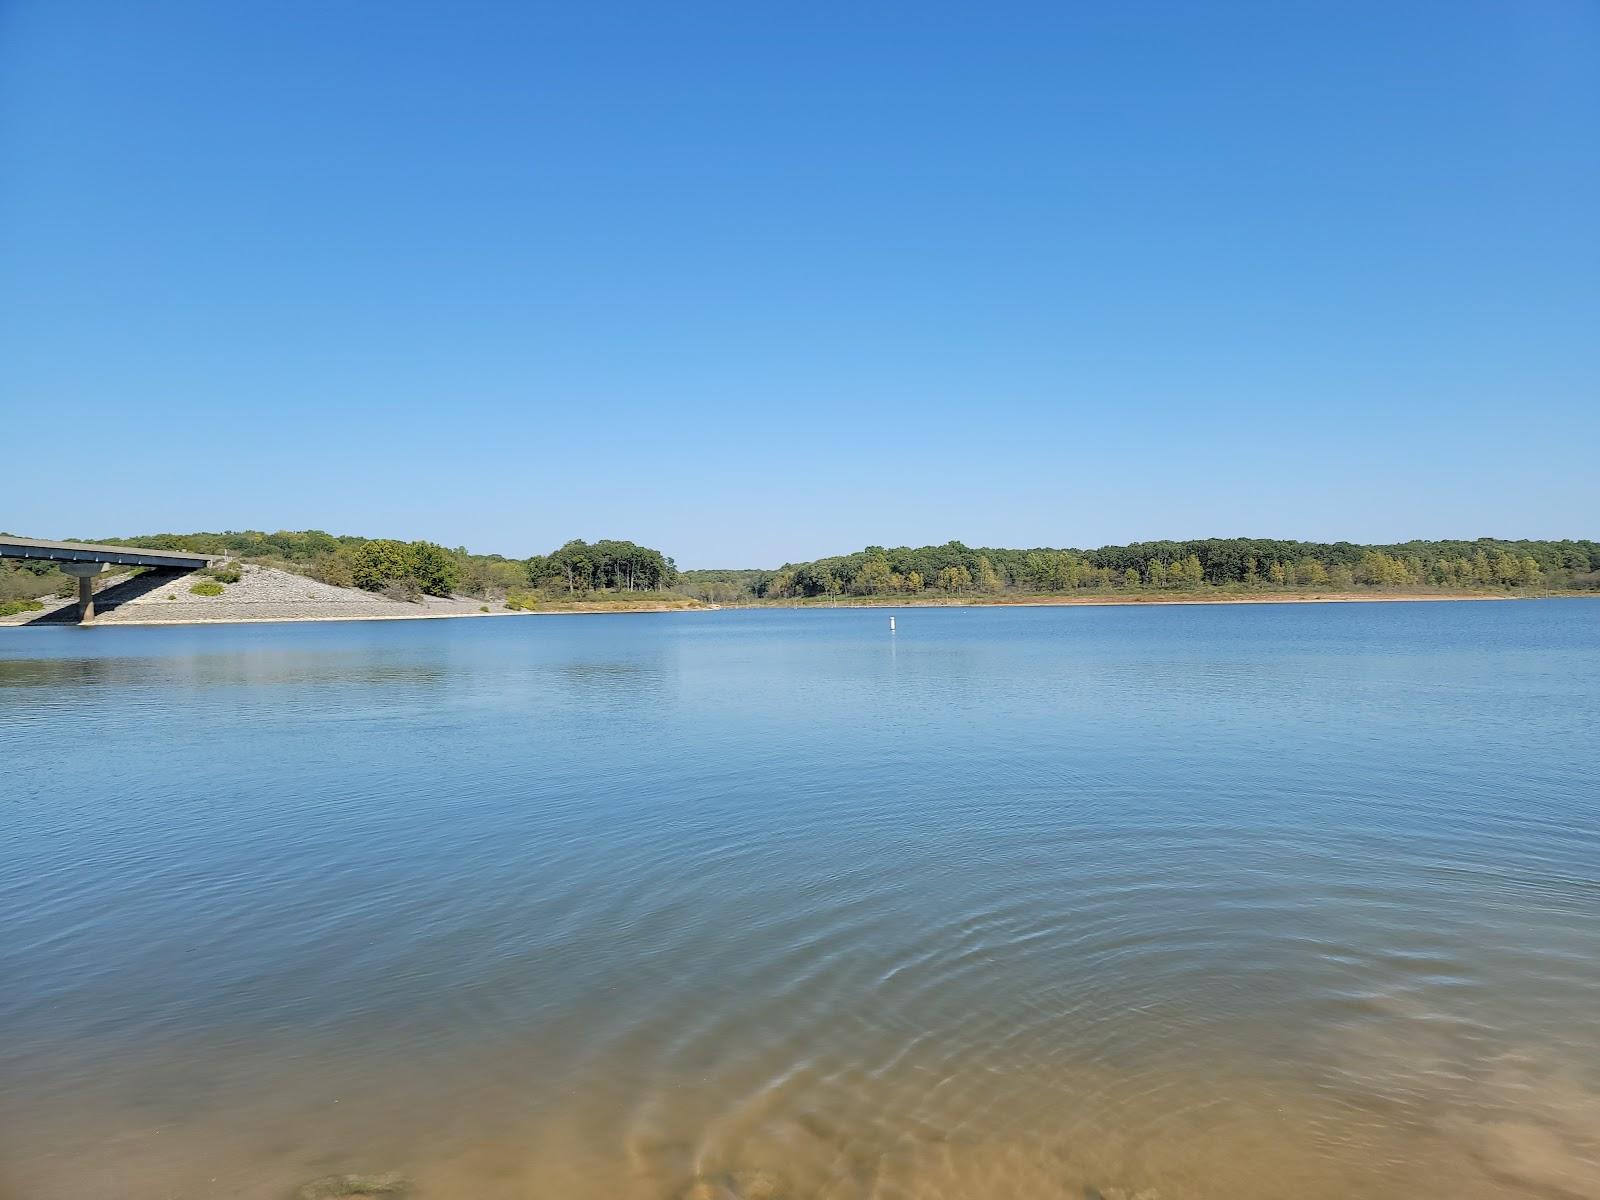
pixel 1178 902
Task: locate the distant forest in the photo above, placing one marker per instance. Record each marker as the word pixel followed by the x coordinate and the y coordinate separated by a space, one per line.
pixel 623 569
pixel 1244 564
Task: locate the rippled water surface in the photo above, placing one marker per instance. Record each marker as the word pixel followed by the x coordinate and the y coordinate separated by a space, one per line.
pixel 1183 902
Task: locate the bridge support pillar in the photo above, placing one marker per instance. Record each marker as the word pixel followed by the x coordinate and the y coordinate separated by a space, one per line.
pixel 85 572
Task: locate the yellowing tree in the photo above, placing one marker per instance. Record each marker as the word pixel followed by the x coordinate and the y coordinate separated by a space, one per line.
pixel 988 579
pixel 1310 571
pixel 955 578
pixel 873 577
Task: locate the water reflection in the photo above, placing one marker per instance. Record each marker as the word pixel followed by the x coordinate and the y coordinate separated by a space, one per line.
pixel 233 670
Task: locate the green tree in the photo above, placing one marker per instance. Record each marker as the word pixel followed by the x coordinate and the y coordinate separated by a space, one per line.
pixel 573 565
pixel 378 563
pixel 435 569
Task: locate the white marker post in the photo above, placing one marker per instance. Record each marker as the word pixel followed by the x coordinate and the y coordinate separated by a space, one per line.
pixel 891 624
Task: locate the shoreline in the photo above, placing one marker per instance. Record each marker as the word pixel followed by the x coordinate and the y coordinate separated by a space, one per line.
pixel 260 595
pixel 338 620
pixel 869 603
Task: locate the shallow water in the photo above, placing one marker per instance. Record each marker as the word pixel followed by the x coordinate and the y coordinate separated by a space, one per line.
pixel 1187 902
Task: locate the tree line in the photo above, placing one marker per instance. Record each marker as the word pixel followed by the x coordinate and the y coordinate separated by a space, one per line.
pixel 1237 563
pixel 420 567
pixel 579 568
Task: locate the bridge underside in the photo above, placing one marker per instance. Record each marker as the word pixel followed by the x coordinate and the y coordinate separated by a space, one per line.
pixel 85 560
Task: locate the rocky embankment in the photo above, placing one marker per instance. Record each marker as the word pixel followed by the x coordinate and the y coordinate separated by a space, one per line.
pixel 261 594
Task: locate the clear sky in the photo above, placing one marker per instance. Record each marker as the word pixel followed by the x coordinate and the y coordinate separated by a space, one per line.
pixel 755 282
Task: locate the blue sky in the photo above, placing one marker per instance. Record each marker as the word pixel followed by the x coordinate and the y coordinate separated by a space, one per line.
pixel 759 282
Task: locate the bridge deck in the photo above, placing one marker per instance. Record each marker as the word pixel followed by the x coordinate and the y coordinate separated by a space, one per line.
pixel 122 556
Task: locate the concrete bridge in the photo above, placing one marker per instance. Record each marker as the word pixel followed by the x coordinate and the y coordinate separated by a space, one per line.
pixel 85 561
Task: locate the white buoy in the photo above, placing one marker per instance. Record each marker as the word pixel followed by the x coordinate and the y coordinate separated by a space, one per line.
pixel 891 624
